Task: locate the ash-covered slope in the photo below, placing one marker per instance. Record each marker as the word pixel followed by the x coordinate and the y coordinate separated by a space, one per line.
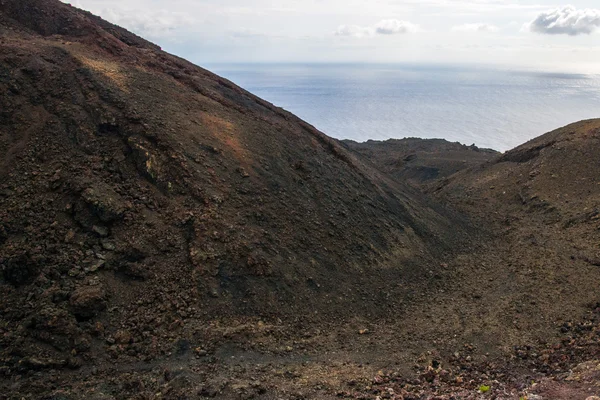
pixel 420 160
pixel 542 203
pixel 140 194
pixel 551 180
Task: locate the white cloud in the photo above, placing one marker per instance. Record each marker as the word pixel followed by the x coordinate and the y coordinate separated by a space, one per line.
pixel 151 24
pixel 384 27
pixel 354 31
pixel 211 31
pixel 478 27
pixel 393 27
pixel 565 21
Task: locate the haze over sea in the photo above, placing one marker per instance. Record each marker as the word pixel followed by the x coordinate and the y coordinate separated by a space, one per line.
pixel 497 109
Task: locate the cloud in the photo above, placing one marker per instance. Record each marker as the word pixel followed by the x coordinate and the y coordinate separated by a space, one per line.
pixel 354 31
pixel 151 24
pixel 565 21
pixel 478 27
pixel 393 27
pixel 384 27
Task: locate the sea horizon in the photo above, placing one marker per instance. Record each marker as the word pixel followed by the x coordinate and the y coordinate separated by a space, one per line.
pixel 488 106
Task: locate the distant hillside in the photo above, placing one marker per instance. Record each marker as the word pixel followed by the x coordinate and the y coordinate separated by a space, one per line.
pixel 420 160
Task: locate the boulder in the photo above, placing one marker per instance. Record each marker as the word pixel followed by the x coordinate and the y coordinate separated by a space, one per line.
pixel 88 301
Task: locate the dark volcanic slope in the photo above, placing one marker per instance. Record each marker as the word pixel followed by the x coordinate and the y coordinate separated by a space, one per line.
pixel 542 200
pixel 166 234
pixel 551 181
pixel 112 140
pixel 420 160
pixel 140 194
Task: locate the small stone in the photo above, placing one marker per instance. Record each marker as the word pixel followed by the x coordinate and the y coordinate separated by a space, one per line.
pixel 69 236
pixel 100 230
pixel 97 265
pixel 243 172
pixel 88 301
pixel 200 352
pixel 105 203
pixel 122 337
pixel 108 245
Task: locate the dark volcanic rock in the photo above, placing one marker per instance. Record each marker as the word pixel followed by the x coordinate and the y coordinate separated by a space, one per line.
pixel 420 160
pixel 87 301
pixel 104 203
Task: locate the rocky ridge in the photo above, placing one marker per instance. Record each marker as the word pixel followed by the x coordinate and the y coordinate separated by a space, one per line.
pixel 420 161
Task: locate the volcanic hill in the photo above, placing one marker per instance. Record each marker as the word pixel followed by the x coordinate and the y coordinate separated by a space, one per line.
pixel 166 234
pixel 420 160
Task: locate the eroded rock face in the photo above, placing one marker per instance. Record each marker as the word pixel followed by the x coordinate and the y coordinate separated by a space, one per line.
pixel 147 163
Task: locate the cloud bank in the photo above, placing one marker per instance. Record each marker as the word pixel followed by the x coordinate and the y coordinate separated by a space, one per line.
pixel 384 27
pixel 565 21
pixel 152 24
pixel 478 27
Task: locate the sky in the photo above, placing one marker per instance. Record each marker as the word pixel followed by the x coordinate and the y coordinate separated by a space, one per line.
pixel 526 34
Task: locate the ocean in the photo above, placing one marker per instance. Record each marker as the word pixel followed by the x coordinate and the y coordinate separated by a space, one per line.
pixel 497 109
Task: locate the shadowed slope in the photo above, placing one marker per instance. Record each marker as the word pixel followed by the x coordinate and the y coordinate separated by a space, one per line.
pixel 141 193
